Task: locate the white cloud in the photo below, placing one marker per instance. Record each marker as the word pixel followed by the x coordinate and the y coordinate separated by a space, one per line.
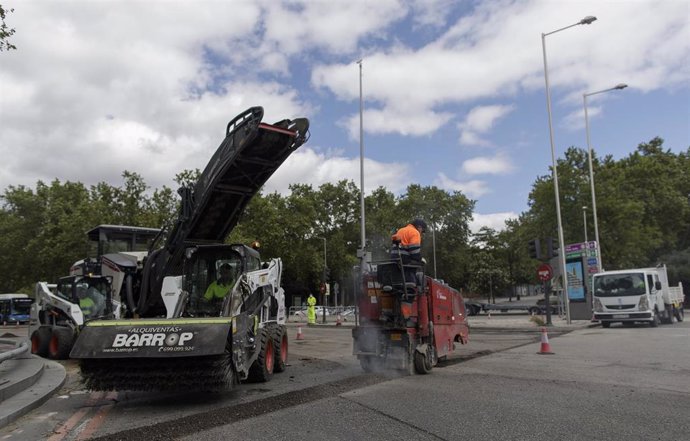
pixel 386 121
pixel 495 221
pixel 647 44
pixel 479 121
pixel 307 166
pixel 472 189
pixel 431 12
pixel 496 165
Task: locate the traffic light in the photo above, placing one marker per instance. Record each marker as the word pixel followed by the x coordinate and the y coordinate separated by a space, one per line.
pixel 551 247
pixel 534 248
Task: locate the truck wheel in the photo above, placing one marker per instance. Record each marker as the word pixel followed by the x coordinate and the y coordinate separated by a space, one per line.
pixel 679 314
pixel 280 344
pixel 40 339
pixel 262 368
pixel 655 320
pixel 669 315
pixel 60 343
pixel 605 324
pixel 422 362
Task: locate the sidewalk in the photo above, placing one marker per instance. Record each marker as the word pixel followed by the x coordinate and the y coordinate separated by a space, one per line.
pixel 26 381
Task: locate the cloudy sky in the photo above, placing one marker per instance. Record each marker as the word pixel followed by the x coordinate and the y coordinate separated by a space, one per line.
pixel 454 92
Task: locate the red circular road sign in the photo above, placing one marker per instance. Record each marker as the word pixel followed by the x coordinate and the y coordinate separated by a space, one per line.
pixel 544 272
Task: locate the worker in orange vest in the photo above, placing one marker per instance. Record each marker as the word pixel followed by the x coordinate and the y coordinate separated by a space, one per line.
pixel 407 242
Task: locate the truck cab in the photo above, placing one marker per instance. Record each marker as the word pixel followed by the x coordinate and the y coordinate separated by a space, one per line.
pixel 635 295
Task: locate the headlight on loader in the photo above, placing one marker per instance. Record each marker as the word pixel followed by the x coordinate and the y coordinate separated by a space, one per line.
pixel 644 304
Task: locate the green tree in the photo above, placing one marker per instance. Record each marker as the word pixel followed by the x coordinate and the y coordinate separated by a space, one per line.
pixel 5 31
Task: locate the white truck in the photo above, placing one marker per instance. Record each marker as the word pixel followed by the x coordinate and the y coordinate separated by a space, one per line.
pixel 636 295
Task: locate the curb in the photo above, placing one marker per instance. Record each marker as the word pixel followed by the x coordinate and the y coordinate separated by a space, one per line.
pixel 51 377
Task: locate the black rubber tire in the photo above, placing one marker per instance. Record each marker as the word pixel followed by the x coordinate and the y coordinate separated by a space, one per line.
pixel 668 319
pixel 280 346
pixel 680 314
pixel 40 339
pixel 655 320
pixel 605 324
pixel 262 368
pixel 422 362
pixel 61 340
pixel 534 310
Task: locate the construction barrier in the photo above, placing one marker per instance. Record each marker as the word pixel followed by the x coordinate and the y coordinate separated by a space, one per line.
pixel 545 346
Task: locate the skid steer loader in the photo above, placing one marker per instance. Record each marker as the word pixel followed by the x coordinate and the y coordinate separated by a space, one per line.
pixel 176 338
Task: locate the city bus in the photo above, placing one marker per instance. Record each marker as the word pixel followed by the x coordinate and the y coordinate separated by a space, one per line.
pixel 14 308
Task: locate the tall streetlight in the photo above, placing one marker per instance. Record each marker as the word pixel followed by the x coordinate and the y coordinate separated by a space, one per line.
pixel 584 221
pixel 561 242
pixel 325 281
pixel 361 161
pixel 591 171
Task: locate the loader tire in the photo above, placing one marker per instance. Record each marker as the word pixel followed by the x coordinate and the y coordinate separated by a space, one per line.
pixel 40 339
pixel 262 368
pixel 60 343
pixel 280 345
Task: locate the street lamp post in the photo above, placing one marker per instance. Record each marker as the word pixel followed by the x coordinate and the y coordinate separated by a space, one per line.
pixel 591 170
pixel 361 162
pixel 325 281
pixel 584 221
pixel 561 241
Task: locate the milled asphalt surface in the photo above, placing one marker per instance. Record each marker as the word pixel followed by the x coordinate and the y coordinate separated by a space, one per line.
pixel 35 379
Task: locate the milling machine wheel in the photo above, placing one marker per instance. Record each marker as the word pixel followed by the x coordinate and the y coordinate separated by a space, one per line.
pixel 280 344
pixel 262 368
pixel 422 362
pixel 40 339
pixel 60 343
pixel 368 363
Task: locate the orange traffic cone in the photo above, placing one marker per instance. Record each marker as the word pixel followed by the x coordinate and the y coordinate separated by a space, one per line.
pixel 545 346
pixel 338 320
pixel 300 336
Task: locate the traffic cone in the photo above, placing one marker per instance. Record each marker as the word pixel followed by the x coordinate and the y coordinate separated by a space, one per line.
pixel 338 320
pixel 594 320
pixel 300 336
pixel 489 315
pixel 545 346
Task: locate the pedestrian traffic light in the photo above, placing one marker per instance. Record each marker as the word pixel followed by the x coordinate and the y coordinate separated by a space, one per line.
pixel 534 248
pixel 551 247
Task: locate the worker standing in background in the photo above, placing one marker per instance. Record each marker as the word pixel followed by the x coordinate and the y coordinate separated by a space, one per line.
pixel 409 242
pixel 311 309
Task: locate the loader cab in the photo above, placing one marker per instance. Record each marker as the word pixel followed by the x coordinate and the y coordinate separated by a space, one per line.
pixel 211 276
pixel 106 239
pixel 93 294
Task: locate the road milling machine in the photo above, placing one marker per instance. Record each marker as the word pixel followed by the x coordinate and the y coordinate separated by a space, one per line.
pixel 408 321
pixel 169 333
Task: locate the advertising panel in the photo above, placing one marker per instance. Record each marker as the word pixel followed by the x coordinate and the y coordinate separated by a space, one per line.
pixel 576 284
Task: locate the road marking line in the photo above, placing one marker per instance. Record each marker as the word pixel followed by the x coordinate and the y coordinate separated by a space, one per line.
pixel 68 425
pixel 95 423
pixel 65 428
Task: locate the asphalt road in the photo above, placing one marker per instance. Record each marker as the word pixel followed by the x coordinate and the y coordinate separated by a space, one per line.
pixel 618 383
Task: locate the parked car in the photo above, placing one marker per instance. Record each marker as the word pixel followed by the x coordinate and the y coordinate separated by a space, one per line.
pixel 540 309
pixel 302 313
pixel 473 307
